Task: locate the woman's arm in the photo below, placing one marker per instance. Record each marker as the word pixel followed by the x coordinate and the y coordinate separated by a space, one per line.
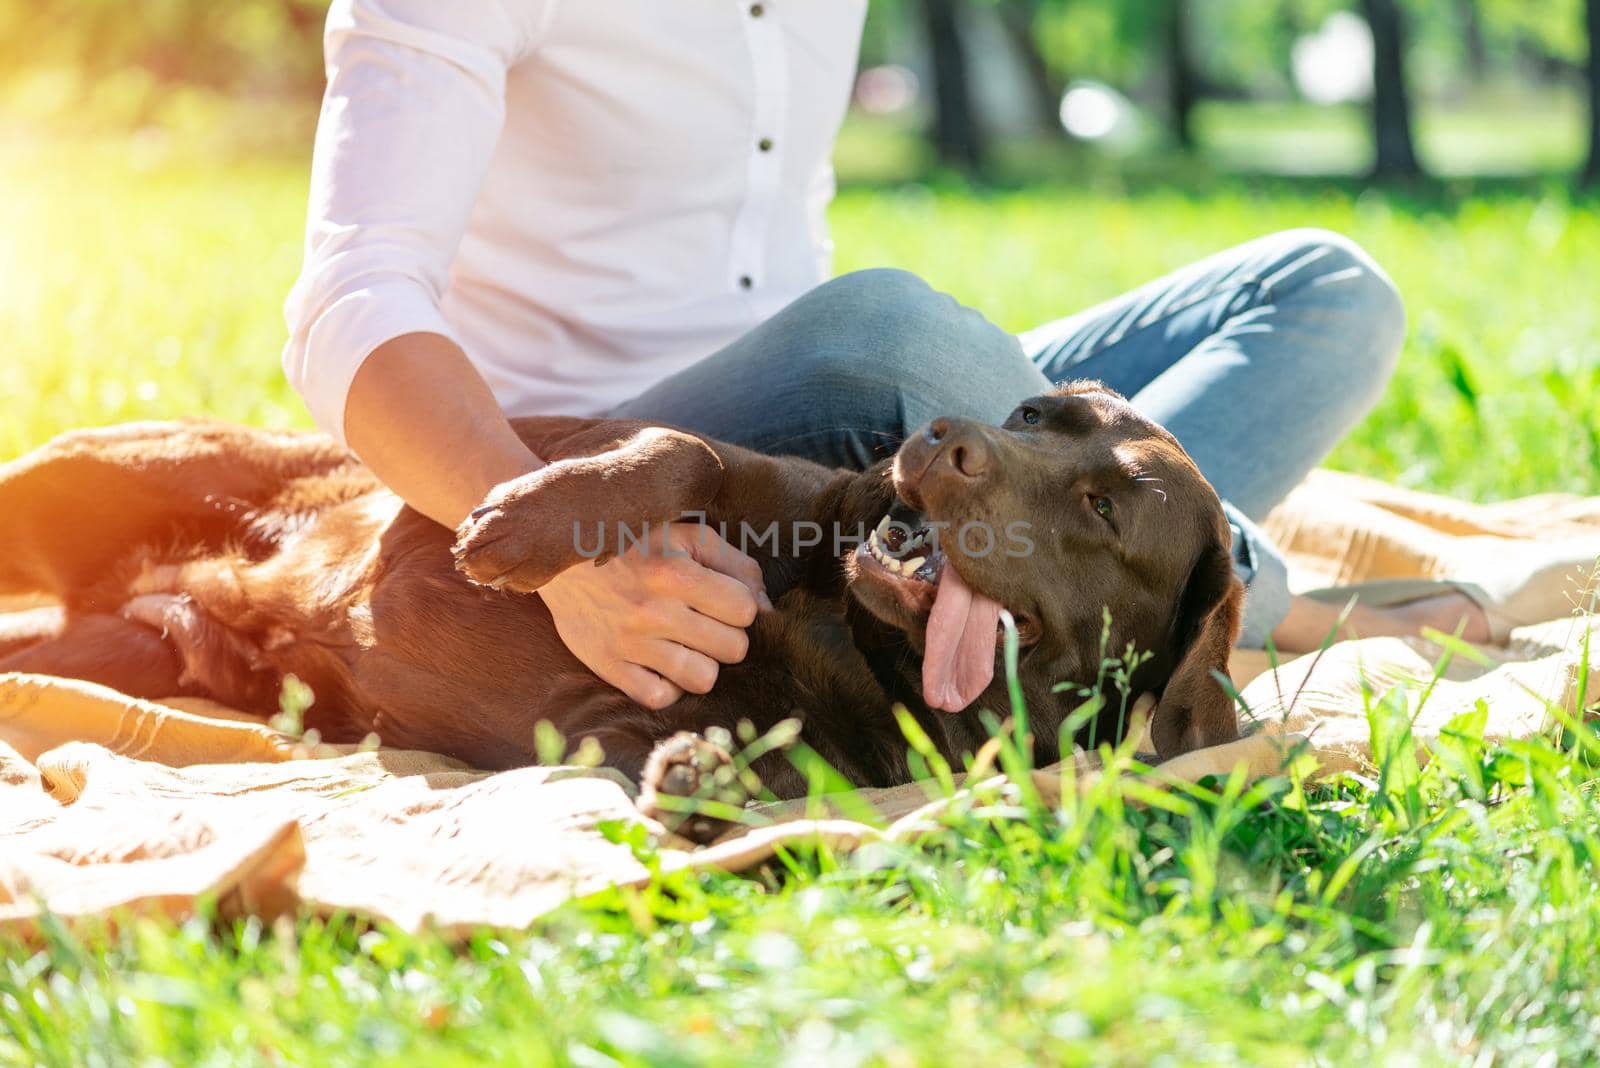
pixel 413 110
pixel 419 414
pixel 651 623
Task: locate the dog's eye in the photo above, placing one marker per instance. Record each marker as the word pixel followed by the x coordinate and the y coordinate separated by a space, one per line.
pixel 1028 414
pixel 1101 506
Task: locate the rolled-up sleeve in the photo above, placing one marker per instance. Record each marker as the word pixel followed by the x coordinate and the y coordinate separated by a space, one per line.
pixel 413 109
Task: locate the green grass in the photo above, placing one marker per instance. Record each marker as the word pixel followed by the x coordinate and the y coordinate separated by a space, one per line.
pixel 1439 917
pixel 1444 915
pixel 141 286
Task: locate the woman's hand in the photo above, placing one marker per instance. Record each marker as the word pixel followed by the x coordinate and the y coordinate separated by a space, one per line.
pixel 653 622
pixel 660 620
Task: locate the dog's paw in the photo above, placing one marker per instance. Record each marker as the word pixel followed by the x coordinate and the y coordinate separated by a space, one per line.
pixel 508 542
pixel 481 549
pixel 691 769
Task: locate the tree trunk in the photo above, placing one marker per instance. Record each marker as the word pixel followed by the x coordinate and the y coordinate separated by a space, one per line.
pixel 957 136
pixel 1291 27
pixel 1016 18
pixel 1591 170
pixel 1477 51
pixel 1395 153
pixel 1181 88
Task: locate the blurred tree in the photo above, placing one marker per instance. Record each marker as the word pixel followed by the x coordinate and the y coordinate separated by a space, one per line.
pixel 1591 169
pixel 126 61
pixel 1552 29
pixel 1018 19
pixel 957 136
pixel 103 63
pixel 1243 46
pixel 1182 84
pixel 1146 49
pixel 1472 39
pixel 1557 40
pixel 1395 154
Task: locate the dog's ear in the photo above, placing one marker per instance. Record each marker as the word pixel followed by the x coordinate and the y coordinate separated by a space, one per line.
pixel 1194 710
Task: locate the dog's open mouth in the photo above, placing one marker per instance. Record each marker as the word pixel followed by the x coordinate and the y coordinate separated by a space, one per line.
pixel 903 553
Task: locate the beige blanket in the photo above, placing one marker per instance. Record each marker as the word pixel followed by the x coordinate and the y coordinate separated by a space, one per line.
pixel 110 804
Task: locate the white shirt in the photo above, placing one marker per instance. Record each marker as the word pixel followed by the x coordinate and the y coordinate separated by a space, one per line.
pixel 585 195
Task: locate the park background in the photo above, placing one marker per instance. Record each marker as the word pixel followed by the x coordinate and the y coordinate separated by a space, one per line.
pixel 1031 157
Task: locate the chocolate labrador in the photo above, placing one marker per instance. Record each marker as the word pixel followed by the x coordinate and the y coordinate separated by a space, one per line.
pixel 211 560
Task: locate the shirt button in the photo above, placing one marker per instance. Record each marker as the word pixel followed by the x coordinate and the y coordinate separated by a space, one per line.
pixel 757 10
pixel 765 144
pixel 745 281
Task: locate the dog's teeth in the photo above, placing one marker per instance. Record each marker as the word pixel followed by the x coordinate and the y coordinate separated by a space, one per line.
pixel 883 526
pixel 910 566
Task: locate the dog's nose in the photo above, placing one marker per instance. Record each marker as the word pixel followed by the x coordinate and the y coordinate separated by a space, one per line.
pixel 966 450
pixel 943 450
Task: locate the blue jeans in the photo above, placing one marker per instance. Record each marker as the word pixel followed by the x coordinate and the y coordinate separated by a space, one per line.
pixel 1258 359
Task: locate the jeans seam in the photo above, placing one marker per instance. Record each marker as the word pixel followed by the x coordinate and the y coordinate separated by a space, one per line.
pixel 1255 281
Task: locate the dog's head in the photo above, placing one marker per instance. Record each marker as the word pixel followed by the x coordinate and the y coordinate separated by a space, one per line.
pixel 1074 508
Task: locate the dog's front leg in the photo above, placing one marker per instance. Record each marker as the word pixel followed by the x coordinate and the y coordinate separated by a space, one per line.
pixel 585 508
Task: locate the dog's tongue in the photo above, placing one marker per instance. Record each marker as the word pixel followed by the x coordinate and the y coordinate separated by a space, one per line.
pixel 959 659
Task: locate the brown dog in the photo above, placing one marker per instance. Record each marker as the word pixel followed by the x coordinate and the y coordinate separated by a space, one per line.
pixel 212 560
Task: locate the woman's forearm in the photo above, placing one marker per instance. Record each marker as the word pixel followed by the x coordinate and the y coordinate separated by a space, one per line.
pixel 423 419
